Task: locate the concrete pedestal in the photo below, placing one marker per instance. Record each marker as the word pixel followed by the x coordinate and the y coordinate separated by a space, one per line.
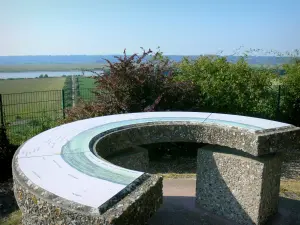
pixel 242 188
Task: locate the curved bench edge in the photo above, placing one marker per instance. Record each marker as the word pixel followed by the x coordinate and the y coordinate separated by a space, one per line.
pixel 37 204
pixel 21 180
pixel 252 143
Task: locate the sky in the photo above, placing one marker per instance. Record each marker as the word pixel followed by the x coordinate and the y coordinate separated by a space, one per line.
pixel 189 27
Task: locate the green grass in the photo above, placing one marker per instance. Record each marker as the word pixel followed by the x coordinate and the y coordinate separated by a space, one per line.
pixel 86 82
pixel 85 86
pixel 51 67
pixel 13 219
pixel 30 105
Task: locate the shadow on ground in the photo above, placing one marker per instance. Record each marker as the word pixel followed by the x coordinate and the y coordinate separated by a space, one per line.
pixel 291 165
pixel 7 199
pixel 183 165
pixel 181 210
pixel 178 210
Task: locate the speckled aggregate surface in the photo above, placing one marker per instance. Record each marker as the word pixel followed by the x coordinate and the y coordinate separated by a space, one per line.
pixel 246 192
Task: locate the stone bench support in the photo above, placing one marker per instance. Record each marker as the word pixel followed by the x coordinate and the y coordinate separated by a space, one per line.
pixel 240 187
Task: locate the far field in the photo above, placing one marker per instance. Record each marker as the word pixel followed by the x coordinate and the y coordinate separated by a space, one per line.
pixel 31 85
pixel 85 86
pixel 86 82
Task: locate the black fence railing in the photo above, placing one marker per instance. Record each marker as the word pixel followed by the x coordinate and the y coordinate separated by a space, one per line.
pixel 24 115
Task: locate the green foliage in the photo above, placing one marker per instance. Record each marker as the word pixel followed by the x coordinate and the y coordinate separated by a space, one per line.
pixel 208 83
pixel 230 88
pixel 83 110
pixel 291 92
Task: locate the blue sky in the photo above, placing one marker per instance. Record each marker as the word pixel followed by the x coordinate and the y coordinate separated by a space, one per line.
pixel 190 27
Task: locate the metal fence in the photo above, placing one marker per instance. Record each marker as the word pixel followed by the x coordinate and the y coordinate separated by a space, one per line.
pixel 25 114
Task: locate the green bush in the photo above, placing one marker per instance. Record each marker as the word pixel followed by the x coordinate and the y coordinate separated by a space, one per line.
pixel 291 93
pixel 230 88
pixel 83 110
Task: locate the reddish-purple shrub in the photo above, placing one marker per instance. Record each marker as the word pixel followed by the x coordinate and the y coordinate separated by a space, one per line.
pixel 138 83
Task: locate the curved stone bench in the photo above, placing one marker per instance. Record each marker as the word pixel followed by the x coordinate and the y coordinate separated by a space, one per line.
pixel 63 176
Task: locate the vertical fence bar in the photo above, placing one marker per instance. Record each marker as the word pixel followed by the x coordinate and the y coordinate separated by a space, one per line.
pixel 278 103
pixel 3 134
pixel 2 125
pixel 63 102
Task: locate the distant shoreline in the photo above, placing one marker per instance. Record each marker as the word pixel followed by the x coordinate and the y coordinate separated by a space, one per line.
pixel 96 62
pixel 50 67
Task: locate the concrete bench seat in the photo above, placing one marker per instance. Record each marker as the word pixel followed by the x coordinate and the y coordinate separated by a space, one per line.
pixel 63 175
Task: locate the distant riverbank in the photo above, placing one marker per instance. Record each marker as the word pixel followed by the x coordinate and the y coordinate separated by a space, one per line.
pixel 50 67
pixel 35 74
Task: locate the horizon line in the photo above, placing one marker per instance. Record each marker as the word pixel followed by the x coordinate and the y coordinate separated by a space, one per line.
pixel 140 54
